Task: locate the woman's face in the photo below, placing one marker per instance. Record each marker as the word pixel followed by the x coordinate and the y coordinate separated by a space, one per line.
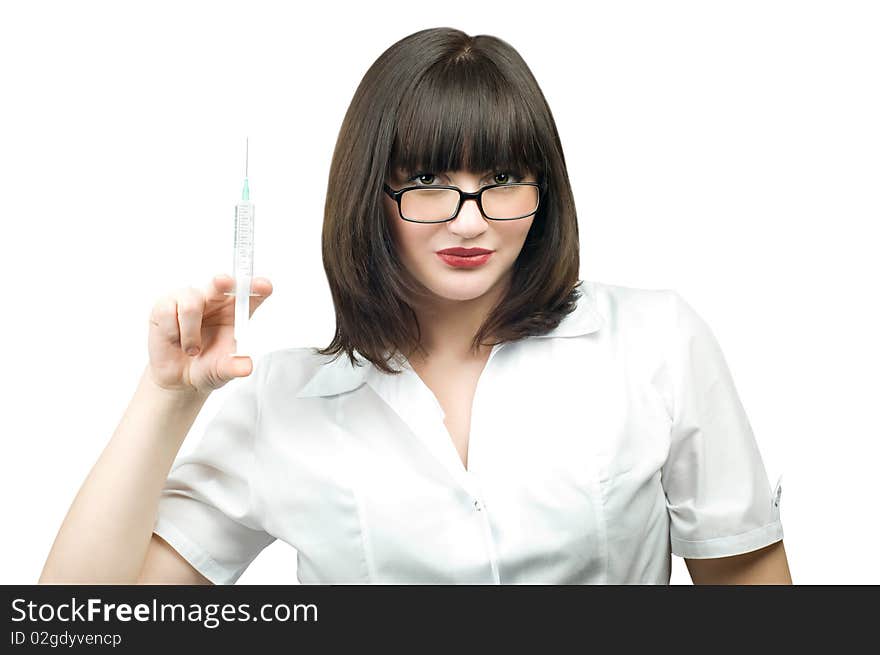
pixel 418 243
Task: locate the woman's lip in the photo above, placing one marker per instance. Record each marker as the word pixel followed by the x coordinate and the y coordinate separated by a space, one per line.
pixel 472 261
pixel 465 252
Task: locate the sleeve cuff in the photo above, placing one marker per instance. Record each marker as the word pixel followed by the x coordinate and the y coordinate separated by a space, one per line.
pixel 197 556
pixel 731 545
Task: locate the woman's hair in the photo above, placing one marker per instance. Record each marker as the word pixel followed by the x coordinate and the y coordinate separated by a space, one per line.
pixel 441 100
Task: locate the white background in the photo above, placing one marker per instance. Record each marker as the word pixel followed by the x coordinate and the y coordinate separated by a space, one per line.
pixel 726 150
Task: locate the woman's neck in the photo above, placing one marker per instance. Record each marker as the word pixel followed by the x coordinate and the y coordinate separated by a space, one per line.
pixel 448 326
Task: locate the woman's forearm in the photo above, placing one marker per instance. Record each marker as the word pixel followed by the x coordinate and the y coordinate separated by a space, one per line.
pixel 104 536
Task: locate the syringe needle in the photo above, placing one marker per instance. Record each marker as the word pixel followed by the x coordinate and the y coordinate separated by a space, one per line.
pixel 246 139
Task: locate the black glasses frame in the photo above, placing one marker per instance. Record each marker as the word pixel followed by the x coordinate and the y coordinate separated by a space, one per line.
pixel 465 195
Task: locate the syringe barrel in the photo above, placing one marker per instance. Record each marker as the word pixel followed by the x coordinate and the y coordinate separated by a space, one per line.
pixel 242 317
pixel 243 270
pixel 243 257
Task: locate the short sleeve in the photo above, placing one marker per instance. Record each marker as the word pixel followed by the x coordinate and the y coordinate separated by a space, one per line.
pixel 717 491
pixel 208 509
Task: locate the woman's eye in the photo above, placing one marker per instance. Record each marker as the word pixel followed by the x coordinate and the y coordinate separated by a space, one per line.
pixel 507 177
pixel 421 175
pixel 501 177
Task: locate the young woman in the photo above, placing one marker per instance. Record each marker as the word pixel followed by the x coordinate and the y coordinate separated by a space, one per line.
pixel 481 414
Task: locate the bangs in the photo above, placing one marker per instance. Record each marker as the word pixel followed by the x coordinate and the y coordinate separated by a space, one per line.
pixel 465 116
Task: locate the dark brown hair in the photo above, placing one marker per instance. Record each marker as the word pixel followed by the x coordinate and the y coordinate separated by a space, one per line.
pixel 442 100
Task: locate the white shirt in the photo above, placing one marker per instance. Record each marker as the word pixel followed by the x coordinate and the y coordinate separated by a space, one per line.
pixel 595 450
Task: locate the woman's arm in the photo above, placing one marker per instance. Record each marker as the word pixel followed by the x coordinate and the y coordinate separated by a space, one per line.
pixel 107 535
pixel 767 565
pixel 164 565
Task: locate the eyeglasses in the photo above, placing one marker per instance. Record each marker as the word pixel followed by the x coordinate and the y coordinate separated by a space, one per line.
pixel 439 204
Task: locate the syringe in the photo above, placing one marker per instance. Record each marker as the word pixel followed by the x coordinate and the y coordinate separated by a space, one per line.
pixel 243 262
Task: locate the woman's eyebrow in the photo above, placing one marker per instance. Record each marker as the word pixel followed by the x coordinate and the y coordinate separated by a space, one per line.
pixel 403 172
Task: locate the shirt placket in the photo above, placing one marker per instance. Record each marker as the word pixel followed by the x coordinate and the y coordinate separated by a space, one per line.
pixel 482 509
pixel 472 478
pixel 419 408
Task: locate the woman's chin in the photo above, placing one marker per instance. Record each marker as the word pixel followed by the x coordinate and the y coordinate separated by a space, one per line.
pixel 456 288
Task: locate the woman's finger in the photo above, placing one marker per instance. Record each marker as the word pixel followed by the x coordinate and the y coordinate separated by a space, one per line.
pixel 190 308
pixel 218 287
pixel 164 328
pixel 223 286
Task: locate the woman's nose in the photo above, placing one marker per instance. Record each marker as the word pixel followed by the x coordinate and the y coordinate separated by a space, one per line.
pixel 470 220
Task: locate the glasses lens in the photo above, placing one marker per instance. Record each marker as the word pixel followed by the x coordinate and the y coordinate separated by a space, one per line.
pixel 503 202
pixel 510 201
pixel 428 204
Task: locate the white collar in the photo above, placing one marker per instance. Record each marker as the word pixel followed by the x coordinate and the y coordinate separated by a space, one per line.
pixel 339 375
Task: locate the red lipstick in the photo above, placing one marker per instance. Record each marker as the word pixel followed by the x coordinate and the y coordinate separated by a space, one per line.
pixel 465 257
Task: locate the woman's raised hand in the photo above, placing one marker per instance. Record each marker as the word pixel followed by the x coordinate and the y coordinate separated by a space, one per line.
pixel 191 337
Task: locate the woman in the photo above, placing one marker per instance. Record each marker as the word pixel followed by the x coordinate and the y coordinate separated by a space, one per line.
pixel 493 418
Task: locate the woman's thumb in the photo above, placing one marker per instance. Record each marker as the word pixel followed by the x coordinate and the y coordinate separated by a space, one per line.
pixel 235 366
